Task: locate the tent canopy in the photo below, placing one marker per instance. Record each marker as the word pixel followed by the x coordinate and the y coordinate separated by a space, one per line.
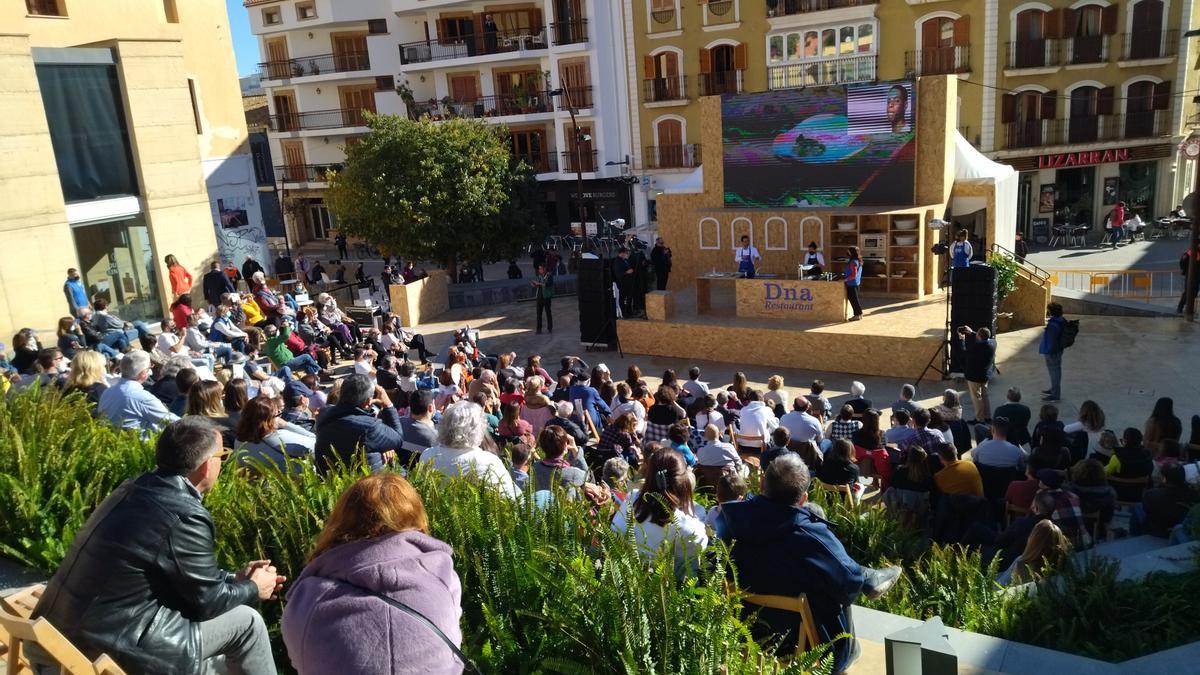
pixel 972 167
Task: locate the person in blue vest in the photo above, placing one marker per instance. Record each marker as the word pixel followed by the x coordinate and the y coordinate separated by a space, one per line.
pixel 77 297
pixel 747 258
pixel 852 277
pixel 961 250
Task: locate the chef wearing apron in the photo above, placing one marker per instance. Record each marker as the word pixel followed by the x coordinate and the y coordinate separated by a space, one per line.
pixel 815 259
pixel 747 257
pixel 960 250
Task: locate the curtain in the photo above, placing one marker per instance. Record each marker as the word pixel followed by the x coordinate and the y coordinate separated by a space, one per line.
pixel 88 131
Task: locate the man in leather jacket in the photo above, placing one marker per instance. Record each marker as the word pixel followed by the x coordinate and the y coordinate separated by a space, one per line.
pixel 140 582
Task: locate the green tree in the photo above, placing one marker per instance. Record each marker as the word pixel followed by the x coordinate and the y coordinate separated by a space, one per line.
pixel 439 191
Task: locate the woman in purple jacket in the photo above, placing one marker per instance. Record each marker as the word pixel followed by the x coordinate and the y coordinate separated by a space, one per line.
pixel 376 542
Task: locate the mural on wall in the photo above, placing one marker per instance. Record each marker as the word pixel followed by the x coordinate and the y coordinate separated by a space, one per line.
pixel 237 218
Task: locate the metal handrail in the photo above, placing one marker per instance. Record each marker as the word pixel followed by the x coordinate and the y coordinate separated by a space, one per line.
pixel 1026 266
pixel 1147 284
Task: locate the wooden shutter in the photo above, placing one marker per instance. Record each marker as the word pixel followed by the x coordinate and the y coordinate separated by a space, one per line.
pixel 739 56
pixel 931 33
pixel 1053 26
pixel 705 60
pixel 648 61
pixel 1050 105
pixel 1162 96
pixel 1108 20
pixel 962 31
pixel 1068 23
pixel 1008 109
pixel 1104 100
pixel 443 29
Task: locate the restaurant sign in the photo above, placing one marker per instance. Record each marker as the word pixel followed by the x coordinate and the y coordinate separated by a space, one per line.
pixel 1083 158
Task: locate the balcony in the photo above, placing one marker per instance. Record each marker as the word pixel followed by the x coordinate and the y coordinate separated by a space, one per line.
pixel 685 156
pixel 319 119
pixel 569 32
pixel 485 106
pixel 1087 49
pixel 822 73
pixel 580 97
pixel 939 61
pixel 306 66
pixel 662 89
pixel 725 82
pixel 793 7
pixel 1085 129
pixel 256 3
pixel 718 12
pixel 306 173
pixel 663 20
pixel 1040 53
pixel 545 162
pixel 501 42
pixel 1158 44
pixel 575 163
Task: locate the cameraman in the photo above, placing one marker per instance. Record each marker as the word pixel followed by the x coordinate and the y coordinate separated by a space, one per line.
pixel 979 351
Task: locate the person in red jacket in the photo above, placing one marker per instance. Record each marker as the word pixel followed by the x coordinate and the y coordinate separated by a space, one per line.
pixel 1117 221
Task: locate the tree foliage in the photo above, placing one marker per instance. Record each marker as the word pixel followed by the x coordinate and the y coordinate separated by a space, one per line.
pixel 437 191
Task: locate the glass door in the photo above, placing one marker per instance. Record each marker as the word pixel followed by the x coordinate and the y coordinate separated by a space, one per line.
pixel 117 264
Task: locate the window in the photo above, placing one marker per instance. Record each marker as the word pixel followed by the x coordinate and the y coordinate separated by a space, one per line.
pixel 1146 35
pixel 305 11
pixel 820 56
pixel 195 106
pixel 944 45
pixel 260 152
pixel 1085 111
pixel 271 16
pixel 170 11
pixel 117 264
pixel 45 8
pixel 1025 116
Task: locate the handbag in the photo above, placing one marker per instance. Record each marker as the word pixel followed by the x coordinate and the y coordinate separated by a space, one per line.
pixel 468 666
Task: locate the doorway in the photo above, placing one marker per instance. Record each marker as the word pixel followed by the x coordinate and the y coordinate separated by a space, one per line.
pixel 1146 38
pixel 117 264
pixel 1076 196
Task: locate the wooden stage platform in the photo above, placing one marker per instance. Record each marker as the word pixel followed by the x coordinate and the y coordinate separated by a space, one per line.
pixel 895 338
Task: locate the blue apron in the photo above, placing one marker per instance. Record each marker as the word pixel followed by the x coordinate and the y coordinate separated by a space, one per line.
pixel 959 255
pixel 746 266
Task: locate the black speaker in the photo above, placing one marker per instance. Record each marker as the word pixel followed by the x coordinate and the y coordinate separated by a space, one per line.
pixel 596 302
pixel 972 303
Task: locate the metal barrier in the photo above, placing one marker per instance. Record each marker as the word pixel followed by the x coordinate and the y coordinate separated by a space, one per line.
pixel 1148 285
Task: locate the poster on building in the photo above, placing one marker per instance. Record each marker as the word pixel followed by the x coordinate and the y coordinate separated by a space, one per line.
pixel 1046 199
pixel 239 232
pixel 1111 187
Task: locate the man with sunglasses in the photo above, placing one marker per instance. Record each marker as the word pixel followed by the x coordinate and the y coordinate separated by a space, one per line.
pixel 141 582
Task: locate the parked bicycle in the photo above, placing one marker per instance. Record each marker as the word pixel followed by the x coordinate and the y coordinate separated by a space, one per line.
pixel 364 250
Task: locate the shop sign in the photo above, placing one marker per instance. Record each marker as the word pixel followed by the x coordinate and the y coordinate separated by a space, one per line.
pixel 1085 158
pixel 778 297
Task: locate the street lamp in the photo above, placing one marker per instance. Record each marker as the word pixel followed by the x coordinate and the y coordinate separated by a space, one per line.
pixel 580 138
pixel 629 180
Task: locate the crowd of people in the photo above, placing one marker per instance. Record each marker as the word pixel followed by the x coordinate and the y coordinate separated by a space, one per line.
pixel 258 392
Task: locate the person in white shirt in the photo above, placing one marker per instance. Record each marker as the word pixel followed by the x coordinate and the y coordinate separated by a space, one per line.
pixel 709 415
pixel 757 419
pixel 815 260
pixel 195 341
pixel 694 387
pixel 625 403
pixel 997 451
pixel 747 258
pixel 459 450
pixel 662 515
pixel 801 425
pixel 363 358
pixel 169 344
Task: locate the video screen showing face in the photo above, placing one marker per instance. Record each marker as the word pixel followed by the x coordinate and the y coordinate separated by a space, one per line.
pixel 851 145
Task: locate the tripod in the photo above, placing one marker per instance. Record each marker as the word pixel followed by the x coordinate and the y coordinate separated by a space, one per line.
pixel 944 348
pixel 611 323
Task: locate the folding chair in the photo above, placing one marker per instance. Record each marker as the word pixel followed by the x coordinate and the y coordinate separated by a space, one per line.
pixel 1012 512
pixel 807 636
pixel 747 457
pixel 17 629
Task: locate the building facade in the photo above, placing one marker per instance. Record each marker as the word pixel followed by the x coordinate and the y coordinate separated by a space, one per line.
pixel 324 63
pixel 126 142
pixel 1088 98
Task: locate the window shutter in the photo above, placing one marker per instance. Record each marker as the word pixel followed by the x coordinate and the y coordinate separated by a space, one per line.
pixel 385 83
pixel 443 29
pixel 1108 20
pixel 705 60
pixel 1162 96
pixel 648 60
pixel 1068 22
pixel 739 57
pixel 1050 105
pixel 1008 109
pixel 1104 101
pixel 1053 24
pixel 962 31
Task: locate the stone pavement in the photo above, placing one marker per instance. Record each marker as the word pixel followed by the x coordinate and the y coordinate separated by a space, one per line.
pixel 1150 254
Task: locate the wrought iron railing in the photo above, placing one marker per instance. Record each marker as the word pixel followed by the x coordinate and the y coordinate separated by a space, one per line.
pixel 722 82
pixel 499 42
pixel 569 32
pixel 1156 44
pixel 573 162
pixel 486 106
pixel 306 173
pixel 682 156
pixel 305 66
pixel 820 73
pixel 658 89
pixel 1085 129
pixel 939 61
pixel 1039 53
pixel 320 119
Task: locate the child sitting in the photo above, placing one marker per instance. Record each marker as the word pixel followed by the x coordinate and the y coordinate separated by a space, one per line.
pixel 520 453
pixel 730 488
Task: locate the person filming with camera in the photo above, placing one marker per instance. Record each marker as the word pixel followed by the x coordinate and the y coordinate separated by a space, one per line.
pixel 979 354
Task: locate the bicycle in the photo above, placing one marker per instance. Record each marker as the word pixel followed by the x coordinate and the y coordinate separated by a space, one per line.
pixel 363 250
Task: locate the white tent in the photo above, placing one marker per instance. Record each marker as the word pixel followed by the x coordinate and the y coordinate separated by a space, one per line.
pixel 972 167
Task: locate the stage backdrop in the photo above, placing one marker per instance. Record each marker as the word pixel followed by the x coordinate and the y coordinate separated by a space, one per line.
pixel 851 145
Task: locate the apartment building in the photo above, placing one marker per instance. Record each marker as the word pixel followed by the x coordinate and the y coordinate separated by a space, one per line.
pixel 1088 99
pixel 125 142
pixel 526 65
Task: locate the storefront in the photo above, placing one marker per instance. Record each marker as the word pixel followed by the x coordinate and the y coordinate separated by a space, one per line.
pixel 1082 187
pixel 117 264
pixel 608 198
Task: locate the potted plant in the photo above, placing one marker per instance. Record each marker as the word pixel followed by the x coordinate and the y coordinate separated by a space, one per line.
pixel 410 103
pixel 313 68
pixel 1006 283
pixel 448 106
pixel 297 69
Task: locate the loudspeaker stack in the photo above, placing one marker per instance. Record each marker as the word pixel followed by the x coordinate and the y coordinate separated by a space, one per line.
pixel 972 303
pixel 597 306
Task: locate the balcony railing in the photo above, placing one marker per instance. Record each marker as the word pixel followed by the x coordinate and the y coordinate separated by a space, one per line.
pixel 320 119
pixel 546 162
pixel 664 19
pixel 1085 129
pixel 304 66
pixel 500 42
pixel 820 73
pixel 1040 53
pixel 1157 44
pixel 1087 49
pixel 789 7
pixel 574 163
pixel 723 82
pixel 939 61
pixel 255 3
pixel 569 32
pixel 306 173
pixel 580 97
pixel 684 156
pixel 660 89
pixel 719 12
pixel 486 106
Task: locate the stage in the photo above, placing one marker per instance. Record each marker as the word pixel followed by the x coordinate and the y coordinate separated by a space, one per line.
pixel 895 338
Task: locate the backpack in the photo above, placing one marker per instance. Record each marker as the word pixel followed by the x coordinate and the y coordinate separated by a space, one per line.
pixel 1070 331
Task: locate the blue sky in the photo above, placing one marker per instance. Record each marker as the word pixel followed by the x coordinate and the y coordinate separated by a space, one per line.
pixel 244 44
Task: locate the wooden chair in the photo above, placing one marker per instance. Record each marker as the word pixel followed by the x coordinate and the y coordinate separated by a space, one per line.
pixel 807 637
pixel 1126 487
pixel 846 490
pixel 707 477
pixel 1012 512
pixel 1091 520
pixel 17 629
pixel 750 458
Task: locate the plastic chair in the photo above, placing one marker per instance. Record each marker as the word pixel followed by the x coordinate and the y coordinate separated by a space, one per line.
pixel 1079 234
pixel 1060 234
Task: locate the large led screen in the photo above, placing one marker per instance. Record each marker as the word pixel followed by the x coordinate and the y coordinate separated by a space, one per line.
pixel 849 145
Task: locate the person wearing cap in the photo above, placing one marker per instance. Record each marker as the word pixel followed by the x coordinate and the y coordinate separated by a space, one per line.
pixel 1067 514
pixel 296 400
